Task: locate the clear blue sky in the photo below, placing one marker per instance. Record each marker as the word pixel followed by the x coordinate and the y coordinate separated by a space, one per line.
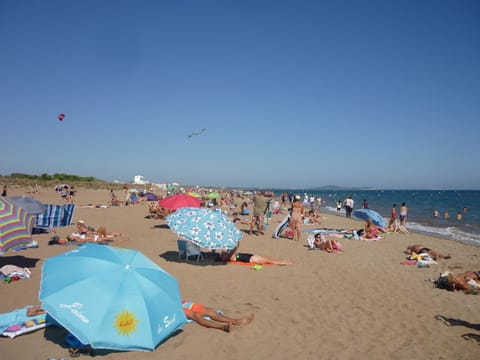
pixel 292 93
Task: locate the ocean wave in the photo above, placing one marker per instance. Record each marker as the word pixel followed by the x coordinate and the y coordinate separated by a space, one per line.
pixel 447 232
pixel 451 233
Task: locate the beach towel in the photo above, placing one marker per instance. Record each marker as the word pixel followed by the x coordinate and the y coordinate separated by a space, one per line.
pixel 17 322
pixel 8 271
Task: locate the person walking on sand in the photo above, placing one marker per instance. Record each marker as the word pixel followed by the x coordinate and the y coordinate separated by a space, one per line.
pixel 393 212
pixel 260 207
pixel 339 206
pixel 198 312
pixel 348 204
pixel 296 218
pixel 403 214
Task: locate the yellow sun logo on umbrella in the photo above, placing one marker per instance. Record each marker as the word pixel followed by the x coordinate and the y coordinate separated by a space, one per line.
pixel 126 323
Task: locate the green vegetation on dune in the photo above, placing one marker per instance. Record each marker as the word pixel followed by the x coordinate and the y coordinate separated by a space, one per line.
pixel 46 180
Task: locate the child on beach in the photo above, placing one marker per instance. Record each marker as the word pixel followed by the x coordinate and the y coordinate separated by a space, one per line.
pixel 198 312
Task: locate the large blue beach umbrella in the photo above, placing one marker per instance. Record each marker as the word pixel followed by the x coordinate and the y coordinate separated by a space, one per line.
pixel 111 298
pixel 207 228
pixel 364 214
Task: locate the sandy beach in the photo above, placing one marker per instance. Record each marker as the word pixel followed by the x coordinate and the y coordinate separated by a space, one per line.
pixel 362 304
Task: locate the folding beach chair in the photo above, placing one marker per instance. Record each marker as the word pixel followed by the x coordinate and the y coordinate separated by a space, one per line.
pixel 187 249
pixel 55 216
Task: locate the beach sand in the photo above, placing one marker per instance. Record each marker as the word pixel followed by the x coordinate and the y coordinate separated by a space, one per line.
pixel 362 304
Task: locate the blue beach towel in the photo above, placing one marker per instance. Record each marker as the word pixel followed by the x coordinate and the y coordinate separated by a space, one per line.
pixel 17 322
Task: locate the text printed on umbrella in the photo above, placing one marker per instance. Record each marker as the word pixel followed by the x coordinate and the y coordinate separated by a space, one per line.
pixel 126 323
pixel 74 308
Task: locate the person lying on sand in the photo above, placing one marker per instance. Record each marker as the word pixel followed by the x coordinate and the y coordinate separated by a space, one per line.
pixel 371 230
pixel 197 313
pixel 83 229
pixel 156 211
pixel 394 227
pixel 327 244
pixel 250 258
pixel 422 249
pixel 469 280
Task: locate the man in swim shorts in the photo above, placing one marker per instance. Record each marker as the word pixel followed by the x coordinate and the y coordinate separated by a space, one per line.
pixel 197 313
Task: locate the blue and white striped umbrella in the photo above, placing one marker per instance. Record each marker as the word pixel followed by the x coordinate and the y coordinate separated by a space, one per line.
pixel 207 228
pixel 364 214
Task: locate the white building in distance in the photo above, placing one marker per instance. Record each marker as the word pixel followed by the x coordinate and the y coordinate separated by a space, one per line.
pixel 139 180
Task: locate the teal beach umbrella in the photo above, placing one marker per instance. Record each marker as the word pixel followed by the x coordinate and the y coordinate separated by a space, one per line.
pixel 111 298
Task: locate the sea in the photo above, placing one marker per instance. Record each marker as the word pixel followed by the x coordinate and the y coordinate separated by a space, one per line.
pixel 421 206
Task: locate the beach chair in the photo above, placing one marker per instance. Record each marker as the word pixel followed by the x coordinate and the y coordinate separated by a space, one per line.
pixel 55 216
pixel 187 249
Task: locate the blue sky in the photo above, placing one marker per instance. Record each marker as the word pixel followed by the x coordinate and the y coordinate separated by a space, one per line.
pixel 292 93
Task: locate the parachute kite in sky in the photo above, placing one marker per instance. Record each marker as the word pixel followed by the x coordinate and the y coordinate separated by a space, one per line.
pixel 61 117
pixel 196 133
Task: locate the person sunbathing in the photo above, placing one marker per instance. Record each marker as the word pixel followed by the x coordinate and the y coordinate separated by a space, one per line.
pixel 312 218
pixel 469 280
pixel 394 227
pixel 326 244
pixel 250 258
pixel 83 229
pixel 371 230
pixel 156 211
pixel 197 313
pixel 422 249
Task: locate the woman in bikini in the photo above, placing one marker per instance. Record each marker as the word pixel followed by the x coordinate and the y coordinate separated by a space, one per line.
pixel 422 249
pixel 327 244
pixel 371 231
pixel 296 218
